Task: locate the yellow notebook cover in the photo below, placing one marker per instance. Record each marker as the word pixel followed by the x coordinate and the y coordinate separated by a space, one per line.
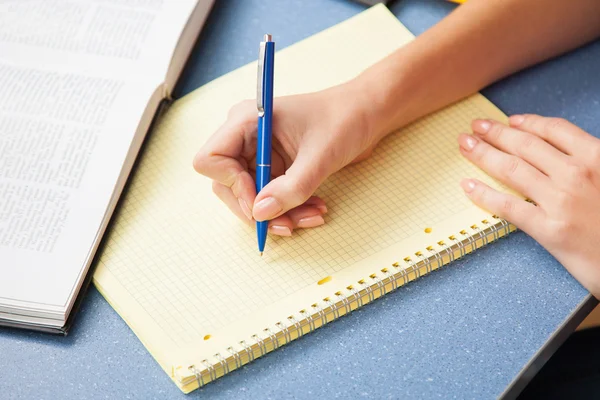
pixel 184 273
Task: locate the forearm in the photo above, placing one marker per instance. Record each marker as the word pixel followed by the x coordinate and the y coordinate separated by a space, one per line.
pixel 479 43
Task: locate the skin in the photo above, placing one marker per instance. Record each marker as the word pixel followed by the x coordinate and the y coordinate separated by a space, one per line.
pixel 548 160
pixel 553 163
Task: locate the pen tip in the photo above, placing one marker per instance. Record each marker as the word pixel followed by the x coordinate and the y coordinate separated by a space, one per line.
pixel 261 253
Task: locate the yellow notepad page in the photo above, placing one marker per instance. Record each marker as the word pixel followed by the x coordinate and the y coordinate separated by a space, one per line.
pixel 185 274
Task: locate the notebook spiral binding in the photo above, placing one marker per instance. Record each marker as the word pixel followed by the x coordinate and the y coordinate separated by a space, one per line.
pixel 343 302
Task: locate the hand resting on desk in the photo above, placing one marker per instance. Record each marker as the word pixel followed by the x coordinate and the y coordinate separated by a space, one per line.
pixel 553 163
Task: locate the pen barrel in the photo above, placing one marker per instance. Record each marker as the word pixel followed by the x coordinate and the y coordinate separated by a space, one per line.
pixel 263 155
pixel 263 177
pixel 263 145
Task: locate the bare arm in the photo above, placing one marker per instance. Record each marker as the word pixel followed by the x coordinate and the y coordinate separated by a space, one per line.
pixel 477 44
pixel 480 42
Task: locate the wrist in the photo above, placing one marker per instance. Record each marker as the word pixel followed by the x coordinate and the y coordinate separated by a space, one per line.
pixel 383 98
pixel 346 103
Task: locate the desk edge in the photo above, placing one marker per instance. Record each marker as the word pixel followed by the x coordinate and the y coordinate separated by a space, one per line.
pixel 557 338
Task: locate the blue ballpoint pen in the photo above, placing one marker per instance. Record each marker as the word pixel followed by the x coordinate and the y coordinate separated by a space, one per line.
pixel 264 104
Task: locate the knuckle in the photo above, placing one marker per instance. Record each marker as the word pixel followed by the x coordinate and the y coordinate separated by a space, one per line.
pixel 481 194
pixel 511 167
pixel 563 201
pixel 577 174
pixel 239 108
pixel 215 187
pixel 555 124
pixel 200 162
pixel 526 142
pixel 496 130
pixel 508 206
pixel 562 229
pixel 302 190
pixel 235 182
pixel 479 154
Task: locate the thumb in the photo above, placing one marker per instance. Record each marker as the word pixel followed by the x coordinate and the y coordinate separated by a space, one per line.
pixel 289 190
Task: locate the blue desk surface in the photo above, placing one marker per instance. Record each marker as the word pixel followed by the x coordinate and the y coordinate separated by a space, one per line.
pixel 462 332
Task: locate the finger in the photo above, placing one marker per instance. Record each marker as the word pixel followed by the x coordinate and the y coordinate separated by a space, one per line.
pixel 299 217
pixel 281 226
pixel 306 216
pixel 289 190
pixel 225 194
pixel 559 132
pixel 508 169
pixel 277 164
pixel 318 203
pixel 219 158
pixel 525 145
pixel 524 215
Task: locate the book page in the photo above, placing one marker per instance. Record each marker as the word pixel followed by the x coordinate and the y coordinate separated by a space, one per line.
pixel 81 80
pixel 186 274
pixel 121 39
pixel 61 153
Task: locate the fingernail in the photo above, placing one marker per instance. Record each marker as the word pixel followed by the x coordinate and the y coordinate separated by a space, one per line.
pixel 481 126
pixel 315 203
pixel 280 230
pixel 468 185
pixel 245 208
pixel 516 120
pixel 469 142
pixel 323 209
pixel 311 222
pixel 266 209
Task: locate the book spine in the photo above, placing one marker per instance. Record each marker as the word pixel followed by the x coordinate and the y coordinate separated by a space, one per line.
pixel 343 302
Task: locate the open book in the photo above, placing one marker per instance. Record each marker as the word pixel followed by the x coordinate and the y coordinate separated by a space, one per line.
pixel 81 82
pixel 184 272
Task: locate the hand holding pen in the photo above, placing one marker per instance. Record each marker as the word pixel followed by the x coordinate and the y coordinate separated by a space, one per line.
pixel 313 136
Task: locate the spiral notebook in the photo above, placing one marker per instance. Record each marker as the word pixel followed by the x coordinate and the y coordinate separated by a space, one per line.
pixel 185 274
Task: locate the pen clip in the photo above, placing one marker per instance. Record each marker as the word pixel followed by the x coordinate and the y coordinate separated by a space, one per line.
pixel 260 86
pixel 260 81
